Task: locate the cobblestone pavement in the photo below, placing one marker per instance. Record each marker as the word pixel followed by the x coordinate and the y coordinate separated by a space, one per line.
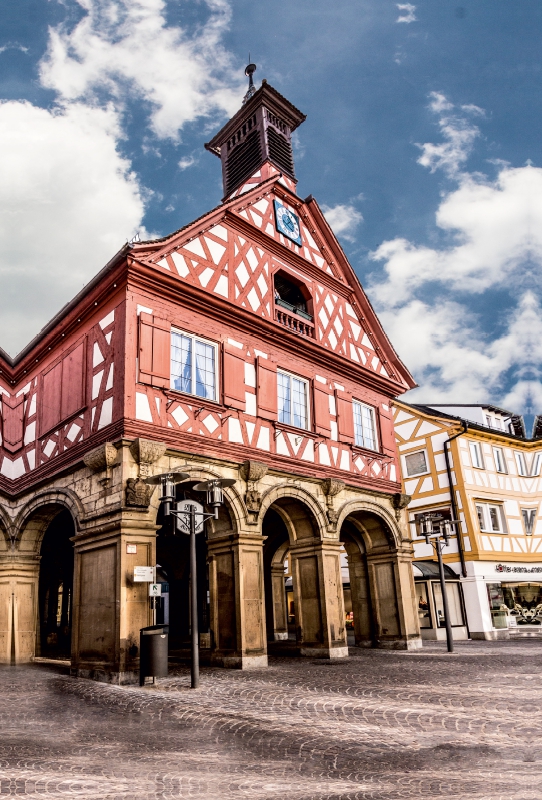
pixel 379 725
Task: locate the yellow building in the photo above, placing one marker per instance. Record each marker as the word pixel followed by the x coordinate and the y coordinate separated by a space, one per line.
pixel 494 566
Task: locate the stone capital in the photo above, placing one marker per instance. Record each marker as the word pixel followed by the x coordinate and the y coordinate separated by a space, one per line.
pixel 146 452
pixel 101 459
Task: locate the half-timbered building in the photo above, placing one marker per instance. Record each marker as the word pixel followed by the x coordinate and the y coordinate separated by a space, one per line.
pixel 240 346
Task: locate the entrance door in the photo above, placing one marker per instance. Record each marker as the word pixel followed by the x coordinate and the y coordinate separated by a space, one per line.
pixel 56 588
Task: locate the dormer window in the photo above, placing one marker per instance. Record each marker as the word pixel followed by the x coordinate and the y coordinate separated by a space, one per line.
pixel 292 296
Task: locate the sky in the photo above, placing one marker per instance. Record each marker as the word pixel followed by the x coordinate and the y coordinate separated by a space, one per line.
pixel 422 144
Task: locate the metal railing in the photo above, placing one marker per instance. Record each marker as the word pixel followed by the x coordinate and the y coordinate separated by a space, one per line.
pixel 294 323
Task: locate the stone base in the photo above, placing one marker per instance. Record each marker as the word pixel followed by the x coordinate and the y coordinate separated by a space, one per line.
pixel 490 636
pixel 415 643
pixel 103 676
pixel 280 636
pixel 324 652
pixel 239 662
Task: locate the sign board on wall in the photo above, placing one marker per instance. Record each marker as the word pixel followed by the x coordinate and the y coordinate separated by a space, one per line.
pixel 155 590
pixel 143 574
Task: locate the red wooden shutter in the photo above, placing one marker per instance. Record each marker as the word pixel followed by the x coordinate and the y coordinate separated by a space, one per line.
pixel 154 350
pixel 234 380
pixel 73 396
pixel 50 399
pixel 13 419
pixel 267 389
pixel 387 434
pixel 345 415
pixel 321 411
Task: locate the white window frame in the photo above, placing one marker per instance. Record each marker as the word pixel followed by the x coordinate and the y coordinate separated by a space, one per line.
pixel 474 447
pixel 427 470
pixel 306 383
pixel 525 511
pixel 372 413
pixel 521 464
pixel 535 466
pixel 486 525
pixel 205 341
pixel 498 453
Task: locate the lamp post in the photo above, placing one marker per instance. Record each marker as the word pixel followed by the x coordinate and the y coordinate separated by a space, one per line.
pixel 186 514
pixel 437 531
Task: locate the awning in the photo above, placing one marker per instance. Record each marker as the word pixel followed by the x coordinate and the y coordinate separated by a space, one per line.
pixel 429 569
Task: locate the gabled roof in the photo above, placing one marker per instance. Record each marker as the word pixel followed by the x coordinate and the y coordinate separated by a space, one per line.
pixel 515 419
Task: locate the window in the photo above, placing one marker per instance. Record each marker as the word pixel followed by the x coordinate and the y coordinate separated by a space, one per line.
pixel 416 463
pixel 476 455
pixel 424 615
pixel 500 462
pixel 491 518
pixel 364 426
pixel 292 400
pixel 453 594
pixel 537 462
pixel 521 463
pixel 529 516
pixel 193 365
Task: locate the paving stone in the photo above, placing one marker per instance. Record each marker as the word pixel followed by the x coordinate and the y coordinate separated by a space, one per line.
pixel 378 726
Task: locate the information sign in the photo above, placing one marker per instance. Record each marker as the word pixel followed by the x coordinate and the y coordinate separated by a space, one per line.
pixel 143 574
pixel 155 590
pixel 183 521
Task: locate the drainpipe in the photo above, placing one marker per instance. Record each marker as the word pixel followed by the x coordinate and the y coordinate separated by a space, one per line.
pixel 453 497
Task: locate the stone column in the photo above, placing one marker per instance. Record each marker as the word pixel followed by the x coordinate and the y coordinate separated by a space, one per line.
pixel 361 599
pixel 318 597
pixel 280 612
pixel 19 575
pixel 392 597
pixel 236 588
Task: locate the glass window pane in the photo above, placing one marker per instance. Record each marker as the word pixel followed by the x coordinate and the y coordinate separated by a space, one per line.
pixel 364 427
pixel 480 512
pixel 284 398
pixel 299 403
pixel 205 370
pixel 181 362
pixel 416 463
pixel 494 517
pixel 424 615
pixel 454 604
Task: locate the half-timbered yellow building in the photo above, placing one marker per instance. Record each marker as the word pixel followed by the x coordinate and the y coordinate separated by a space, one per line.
pixel 494 564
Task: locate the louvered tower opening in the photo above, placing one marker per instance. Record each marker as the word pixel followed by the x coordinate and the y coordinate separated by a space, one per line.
pixel 243 160
pixel 280 151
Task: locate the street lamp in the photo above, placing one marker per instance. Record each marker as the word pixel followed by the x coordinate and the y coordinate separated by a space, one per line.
pixel 437 531
pixel 185 514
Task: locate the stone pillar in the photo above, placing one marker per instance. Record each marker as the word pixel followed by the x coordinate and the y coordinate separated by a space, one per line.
pixel 361 599
pixel 236 588
pixel 318 597
pixel 19 575
pixel 109 608
pixel 280 612
pixel 391 587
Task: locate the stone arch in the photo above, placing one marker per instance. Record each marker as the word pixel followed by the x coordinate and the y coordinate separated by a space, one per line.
pixel 6 530
pixel 376 525
pixel 301 512
pixel 34 518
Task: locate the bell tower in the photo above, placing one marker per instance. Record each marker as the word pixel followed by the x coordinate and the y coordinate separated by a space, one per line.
pixel 259 134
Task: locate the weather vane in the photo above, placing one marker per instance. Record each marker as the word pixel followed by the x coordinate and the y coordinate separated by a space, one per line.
pixel 249 71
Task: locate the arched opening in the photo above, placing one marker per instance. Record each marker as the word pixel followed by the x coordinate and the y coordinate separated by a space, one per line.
pixel 55 588
pixel 371 597
pixel 292 295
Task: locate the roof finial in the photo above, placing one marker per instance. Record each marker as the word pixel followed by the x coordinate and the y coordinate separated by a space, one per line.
pixel 250 70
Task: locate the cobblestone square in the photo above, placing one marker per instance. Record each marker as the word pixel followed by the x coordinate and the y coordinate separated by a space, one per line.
pixel 377 725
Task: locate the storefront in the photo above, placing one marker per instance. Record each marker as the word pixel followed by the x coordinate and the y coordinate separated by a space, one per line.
pixel 429 601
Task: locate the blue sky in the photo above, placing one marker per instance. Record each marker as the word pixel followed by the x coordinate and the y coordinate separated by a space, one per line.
pixel 422 143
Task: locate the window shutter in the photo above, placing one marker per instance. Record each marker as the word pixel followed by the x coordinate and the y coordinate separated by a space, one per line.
pixel 13 422
pixel 50 399
pixel 267 389
pixel 345 415
pixel 321 411
pixel 387 433
pixel 234 380
pixel 73 396
pixel 154 350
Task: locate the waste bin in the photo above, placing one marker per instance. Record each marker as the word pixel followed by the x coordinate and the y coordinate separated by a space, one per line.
pixel 153 650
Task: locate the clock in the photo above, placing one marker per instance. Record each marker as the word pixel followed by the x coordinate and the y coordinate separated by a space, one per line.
pixel 287 223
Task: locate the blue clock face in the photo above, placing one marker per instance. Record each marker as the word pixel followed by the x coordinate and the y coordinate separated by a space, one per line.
pixel 287 223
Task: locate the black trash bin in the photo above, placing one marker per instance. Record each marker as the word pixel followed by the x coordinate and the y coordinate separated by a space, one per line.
pixel 153 650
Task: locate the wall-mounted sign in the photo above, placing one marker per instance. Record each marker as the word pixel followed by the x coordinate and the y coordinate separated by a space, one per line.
pixel 131 548
pixel 506 568
pixel 143 574
pixel 155 590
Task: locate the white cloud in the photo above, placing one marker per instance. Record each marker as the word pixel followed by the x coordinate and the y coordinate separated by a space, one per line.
pixel 125 46
pixel 186 162
pixel 343 219
pixel 68 202
pixel 459 134
pixel 494 242
pixel 407 13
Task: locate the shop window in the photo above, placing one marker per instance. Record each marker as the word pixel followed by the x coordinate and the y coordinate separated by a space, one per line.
pixel 416 463
pixel 476 455
pixel 453 593
pixel 424 613
pixel 529 516
pixel 521 464
pixel 292 400
pixel 193 365
pixel 364 426
pixel 500 461
pixel 491 518
pixel 497 606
